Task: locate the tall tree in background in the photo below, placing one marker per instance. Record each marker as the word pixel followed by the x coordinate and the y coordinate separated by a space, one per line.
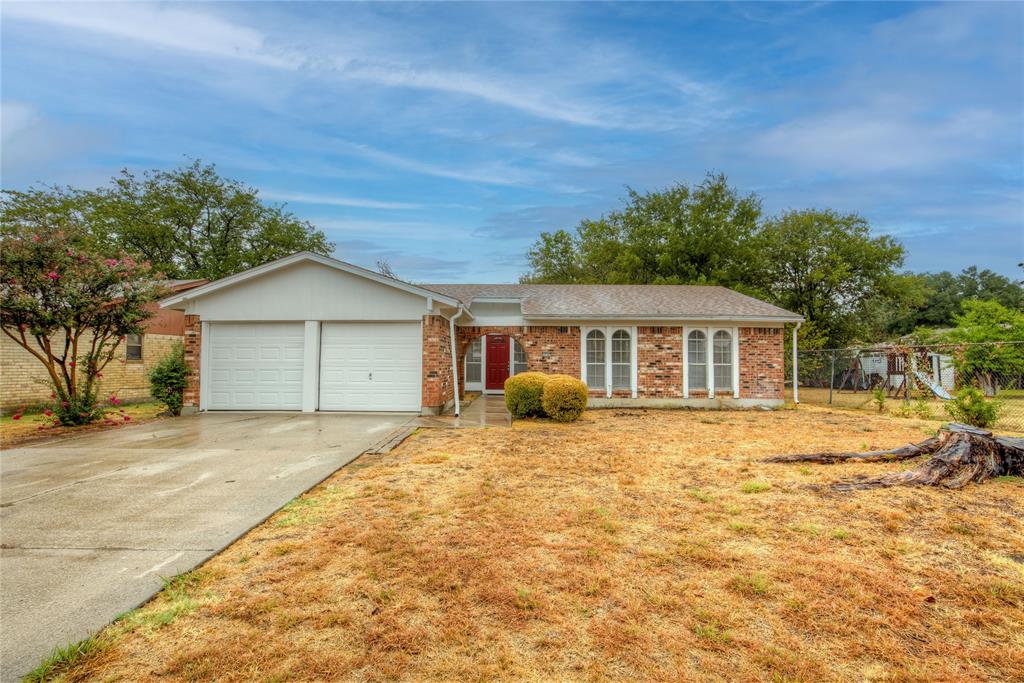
pixel 944 294
pixel 192 223
pixel 822 264
pixel 676 236
pixel 829 268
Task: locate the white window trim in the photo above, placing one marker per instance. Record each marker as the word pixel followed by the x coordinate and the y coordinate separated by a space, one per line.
pixel 709 353
pixel 608 332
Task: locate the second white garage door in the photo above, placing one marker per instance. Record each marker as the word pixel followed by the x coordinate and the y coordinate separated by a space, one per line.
pixel 370 366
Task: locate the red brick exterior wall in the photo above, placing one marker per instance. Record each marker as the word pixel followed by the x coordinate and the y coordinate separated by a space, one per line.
pixel 659 370
pixel 549 349
pixel 762 370
pixel 192 343
pixel 437 362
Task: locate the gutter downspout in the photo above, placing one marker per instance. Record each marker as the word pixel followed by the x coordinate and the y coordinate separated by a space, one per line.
pixel 455 363
pixel 796 383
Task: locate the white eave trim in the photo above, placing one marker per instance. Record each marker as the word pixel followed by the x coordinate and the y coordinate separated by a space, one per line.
pixel 669 318
pixel 298 258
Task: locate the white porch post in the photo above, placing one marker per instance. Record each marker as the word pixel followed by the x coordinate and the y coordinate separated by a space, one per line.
pixel 796 381
pixel 311 366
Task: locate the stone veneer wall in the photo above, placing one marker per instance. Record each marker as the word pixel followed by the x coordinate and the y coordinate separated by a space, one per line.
pixel 25 382
pixel 762 366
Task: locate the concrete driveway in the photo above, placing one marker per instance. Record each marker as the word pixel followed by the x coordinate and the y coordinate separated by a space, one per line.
pixel 89 524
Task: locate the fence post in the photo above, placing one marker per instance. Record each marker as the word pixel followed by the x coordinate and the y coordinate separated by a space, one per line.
pixel 832 377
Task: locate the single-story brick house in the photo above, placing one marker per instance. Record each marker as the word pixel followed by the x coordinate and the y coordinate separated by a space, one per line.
pixel 25 382
pixel 308 332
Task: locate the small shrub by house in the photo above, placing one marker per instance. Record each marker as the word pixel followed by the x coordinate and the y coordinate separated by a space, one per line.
pixel 564 398
pixel 523 394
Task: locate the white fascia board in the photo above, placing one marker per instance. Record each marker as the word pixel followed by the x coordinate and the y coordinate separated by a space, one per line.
pixel 583 320
pixel 301 256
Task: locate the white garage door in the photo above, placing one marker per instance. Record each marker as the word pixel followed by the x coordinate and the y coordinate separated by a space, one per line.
pixel 256 366
pixel 370 366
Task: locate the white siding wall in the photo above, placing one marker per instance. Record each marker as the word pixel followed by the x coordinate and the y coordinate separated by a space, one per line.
pixel 309 291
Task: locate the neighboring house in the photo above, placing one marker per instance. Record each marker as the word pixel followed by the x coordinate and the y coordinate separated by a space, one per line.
pixel 309 333
pixel 24 380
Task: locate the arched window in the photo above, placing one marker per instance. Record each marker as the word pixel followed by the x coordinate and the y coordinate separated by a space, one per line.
pixel 518 358
pixel 621 364
pixel 595 359
pixel 474 362
pixel 697 360
pixel 723 360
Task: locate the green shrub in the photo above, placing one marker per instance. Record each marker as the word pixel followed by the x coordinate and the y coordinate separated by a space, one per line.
pixel 564 398
pixel 168 379
pixel 523 394
pixel 971 407
pixel 922 409
pixel 878 396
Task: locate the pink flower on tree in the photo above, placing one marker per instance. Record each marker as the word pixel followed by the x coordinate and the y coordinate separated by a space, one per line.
pixel 112 262
pixel 53 275
pixel 48 412
pixel 127 418
pixel 114 400
pixel 35 238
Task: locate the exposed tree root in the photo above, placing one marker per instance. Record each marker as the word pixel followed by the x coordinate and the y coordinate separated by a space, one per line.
pixel 960 455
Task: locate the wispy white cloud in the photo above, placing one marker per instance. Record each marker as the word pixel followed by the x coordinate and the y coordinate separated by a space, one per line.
pixel 164 26
pixel 491 173
pixel 334 200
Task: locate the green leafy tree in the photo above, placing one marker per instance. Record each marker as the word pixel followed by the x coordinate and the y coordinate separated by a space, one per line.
pixel 192 223
pixel 64 303
pixel 828 267
pixel 679 235
pixel 168 379
pixel 943 294
pixel 993 338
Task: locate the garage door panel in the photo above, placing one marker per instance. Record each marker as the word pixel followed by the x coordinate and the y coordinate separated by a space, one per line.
pixel 370 366
pixel 256 366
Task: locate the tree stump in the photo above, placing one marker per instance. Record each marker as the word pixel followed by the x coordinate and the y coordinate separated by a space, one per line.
pixel 960 454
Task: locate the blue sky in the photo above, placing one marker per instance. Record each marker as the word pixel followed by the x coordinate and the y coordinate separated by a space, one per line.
pixel 445 137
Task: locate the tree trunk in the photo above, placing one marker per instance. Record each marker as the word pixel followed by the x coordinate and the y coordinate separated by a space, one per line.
pixel 960 454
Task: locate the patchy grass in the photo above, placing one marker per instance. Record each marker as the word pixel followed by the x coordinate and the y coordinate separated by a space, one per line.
pixel 35 425
pixel 620 547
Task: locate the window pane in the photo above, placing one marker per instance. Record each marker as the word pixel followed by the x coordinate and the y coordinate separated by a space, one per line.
pixel 474 365
pixel 698 377
pixel 722 353
pixel 698 347
pixel 621 376
pixel 518 358
pixel 595 359
pixel 621 365
pixel 723 347
pixel 133 347
pixel 723 377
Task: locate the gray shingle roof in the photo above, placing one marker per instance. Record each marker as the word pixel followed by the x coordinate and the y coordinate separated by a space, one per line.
pixel 622 301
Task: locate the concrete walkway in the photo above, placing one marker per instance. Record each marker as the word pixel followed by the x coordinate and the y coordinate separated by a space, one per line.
pixel 89 524
pixel 487 410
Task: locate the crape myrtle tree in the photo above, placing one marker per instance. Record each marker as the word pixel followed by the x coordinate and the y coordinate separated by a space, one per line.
pixel 62 301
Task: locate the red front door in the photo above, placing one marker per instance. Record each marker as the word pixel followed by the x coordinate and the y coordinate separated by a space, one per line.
pixel 497 361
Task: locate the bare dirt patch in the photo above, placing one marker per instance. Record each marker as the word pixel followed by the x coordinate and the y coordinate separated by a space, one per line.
pixel 631 545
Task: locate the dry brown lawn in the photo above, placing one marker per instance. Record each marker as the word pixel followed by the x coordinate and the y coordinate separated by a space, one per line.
pixel 632 545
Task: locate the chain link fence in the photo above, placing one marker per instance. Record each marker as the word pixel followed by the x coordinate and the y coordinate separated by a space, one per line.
pixel 915 381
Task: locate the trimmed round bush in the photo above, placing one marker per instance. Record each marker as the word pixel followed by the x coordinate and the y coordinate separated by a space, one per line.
pixel 564 398
pixel 523 394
